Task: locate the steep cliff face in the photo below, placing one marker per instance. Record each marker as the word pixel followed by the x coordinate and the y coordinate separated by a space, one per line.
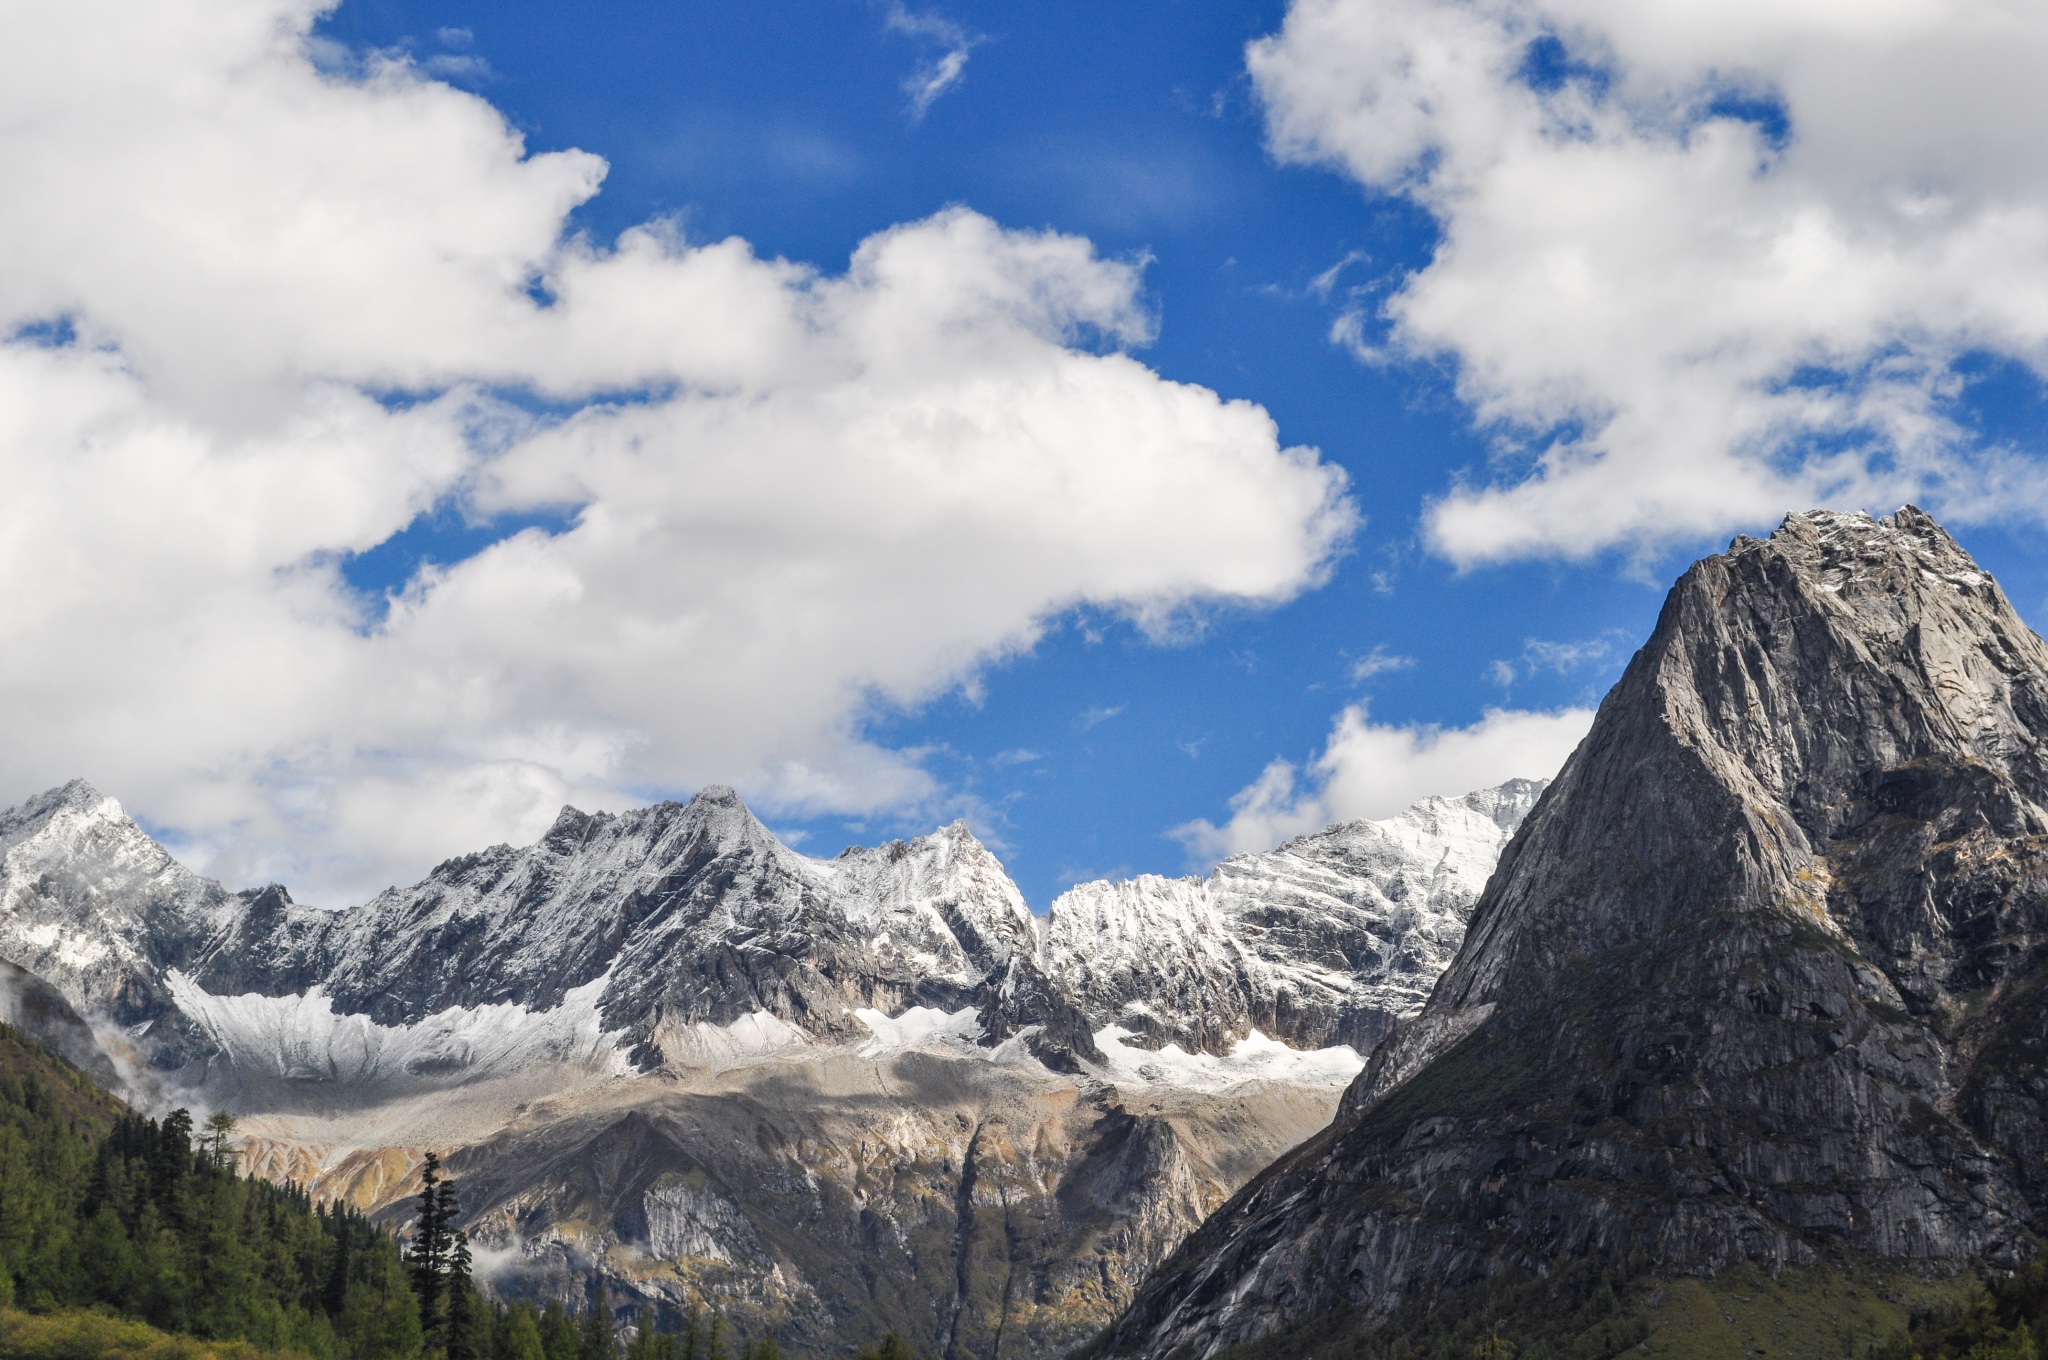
pixel 977 1203
pixel 1329 939
pixel 1757 979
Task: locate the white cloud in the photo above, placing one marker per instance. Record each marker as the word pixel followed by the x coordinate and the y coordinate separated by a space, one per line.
pixel 299 296
pixel 940 73
pixel 1373 770
pixel 1564 657
pixel 1673 322
pixel 1378 662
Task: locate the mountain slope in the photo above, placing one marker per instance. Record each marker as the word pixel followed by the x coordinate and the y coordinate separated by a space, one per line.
pixel 1757 979
pixel 689 912
pixel 92 905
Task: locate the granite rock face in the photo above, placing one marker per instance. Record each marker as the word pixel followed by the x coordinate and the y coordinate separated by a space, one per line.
pixel 1760 977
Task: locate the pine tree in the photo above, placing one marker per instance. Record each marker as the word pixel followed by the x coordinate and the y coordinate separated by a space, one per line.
pixel 220 1126
pixel 463 1313
pixel 890 1347
pixel 558 1335
pixel 169 1164
pixel 646 1343
pixel 336 1292
pixel 599 1342
pixel 693 1334
pixel 429 1257
pixel 519 1335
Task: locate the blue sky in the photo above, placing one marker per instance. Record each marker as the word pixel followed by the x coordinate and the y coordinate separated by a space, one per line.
pixel 1133 125
pixel 383 480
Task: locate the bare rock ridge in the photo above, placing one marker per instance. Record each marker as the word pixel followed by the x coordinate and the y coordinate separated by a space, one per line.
pixel 830 1096
pixel 1760 978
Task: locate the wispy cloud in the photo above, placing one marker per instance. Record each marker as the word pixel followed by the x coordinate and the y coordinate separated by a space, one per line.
pixel 1378 662
pixel 1096 716
pixel 935 75
pixel 1319 287
pixel 1369 769
pixel 1559 658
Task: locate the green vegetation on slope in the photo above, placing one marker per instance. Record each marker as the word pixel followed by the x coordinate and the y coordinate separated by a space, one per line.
pixel 104 1209
pixel 79 1335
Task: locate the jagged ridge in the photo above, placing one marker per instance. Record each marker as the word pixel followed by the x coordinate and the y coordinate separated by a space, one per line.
pixel 675 917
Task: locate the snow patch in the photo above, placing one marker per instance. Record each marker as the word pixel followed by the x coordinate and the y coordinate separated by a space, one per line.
pixel 1252 1058
pixel 919 1027
pixel 301 1038
pixel 715 1048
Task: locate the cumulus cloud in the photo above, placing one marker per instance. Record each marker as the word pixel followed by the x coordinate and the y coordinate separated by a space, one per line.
pixel 1373 770
pixel 266 311
pixel 1699 263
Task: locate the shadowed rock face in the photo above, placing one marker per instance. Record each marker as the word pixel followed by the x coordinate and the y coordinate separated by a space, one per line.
pixel 1761 976
pixel 40 1011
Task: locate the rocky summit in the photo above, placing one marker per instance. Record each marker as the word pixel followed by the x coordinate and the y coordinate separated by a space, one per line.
pixel 826 1096
pixel 1759 980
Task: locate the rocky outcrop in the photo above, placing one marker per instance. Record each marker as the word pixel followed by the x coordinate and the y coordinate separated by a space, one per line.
pixel 681 915
pixel 1758 979
pixel 40 1011
pixel 93 906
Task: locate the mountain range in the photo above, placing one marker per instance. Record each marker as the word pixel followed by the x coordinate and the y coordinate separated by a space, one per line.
pixel 827 1096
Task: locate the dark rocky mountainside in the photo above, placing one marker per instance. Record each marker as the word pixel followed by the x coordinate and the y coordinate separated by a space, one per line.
pixel 1760 978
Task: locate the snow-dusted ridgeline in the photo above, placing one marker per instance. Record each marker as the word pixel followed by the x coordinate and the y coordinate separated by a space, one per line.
pixel 687 935
pixel 1331 939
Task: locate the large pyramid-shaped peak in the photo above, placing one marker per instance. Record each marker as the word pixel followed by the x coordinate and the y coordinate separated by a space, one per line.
pixel 1790 689
pixel 1710 1006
